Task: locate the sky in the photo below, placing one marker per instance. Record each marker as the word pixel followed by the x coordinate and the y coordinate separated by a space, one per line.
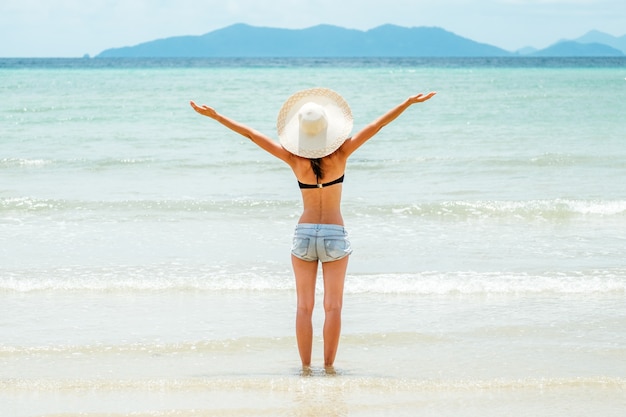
pixel 73 28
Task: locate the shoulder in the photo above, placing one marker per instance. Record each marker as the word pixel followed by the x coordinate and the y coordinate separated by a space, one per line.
pixel 335 163
pixel 298 164
pixel 346 149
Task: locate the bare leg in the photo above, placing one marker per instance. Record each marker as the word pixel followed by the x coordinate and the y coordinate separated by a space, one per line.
pixel 334 278
pixel 306 274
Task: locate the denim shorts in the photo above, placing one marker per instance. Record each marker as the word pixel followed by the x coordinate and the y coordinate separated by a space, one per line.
pixel 323 242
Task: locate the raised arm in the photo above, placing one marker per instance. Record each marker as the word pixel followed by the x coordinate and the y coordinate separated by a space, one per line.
pixel 263 141
pixel 371 129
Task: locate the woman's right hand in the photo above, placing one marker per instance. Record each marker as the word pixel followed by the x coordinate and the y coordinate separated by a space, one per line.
pixel 420 98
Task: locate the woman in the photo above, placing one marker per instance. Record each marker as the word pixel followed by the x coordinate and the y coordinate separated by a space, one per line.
pixel 314 128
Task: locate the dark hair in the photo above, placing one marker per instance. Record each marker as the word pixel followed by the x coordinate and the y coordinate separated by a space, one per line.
pixel 316 166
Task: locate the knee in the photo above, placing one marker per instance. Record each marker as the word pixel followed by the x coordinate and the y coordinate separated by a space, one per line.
pixel 332 306
pixel 305 309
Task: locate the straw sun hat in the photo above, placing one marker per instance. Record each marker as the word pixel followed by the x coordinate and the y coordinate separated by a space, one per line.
pixel 314 123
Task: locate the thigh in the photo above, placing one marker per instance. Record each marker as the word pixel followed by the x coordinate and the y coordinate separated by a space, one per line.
pixel 306 275
pixel 334 279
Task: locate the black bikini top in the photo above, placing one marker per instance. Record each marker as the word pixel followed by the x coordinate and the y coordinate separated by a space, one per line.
pixel 326 184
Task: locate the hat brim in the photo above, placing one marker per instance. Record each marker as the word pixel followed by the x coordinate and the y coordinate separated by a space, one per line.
pixel 338 114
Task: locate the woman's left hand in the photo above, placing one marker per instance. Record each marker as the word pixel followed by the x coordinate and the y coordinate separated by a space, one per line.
pixel 204 110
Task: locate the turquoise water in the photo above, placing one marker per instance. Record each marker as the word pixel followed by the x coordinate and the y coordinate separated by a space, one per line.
pixel 144 250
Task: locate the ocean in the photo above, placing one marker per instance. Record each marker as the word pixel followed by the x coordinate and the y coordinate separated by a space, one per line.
pixel 144 249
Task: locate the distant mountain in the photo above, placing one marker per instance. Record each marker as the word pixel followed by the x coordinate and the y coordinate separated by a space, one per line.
pixel 595 36
pixel 576 49
pixel 243 40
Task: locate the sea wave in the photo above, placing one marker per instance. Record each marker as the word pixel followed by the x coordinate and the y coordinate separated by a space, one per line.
pixel 532 209
pixel 39 205
pixel 230 345
pixel 6 163
pixel 75 163
pixel 293 383
pixel 238 278
pixel 554 209
pixel 241 344
pixel 113 163
pixel 190 162
pixel 493 283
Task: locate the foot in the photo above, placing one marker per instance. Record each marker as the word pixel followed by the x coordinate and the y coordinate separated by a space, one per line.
pixel 306 371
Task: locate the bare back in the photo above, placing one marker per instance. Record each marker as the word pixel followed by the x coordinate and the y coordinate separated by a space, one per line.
pixel 321 205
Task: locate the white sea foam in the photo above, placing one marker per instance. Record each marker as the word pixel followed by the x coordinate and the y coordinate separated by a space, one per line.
pixel 287 384
pixel 181 278
pixel 7 163
pixel 459 209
